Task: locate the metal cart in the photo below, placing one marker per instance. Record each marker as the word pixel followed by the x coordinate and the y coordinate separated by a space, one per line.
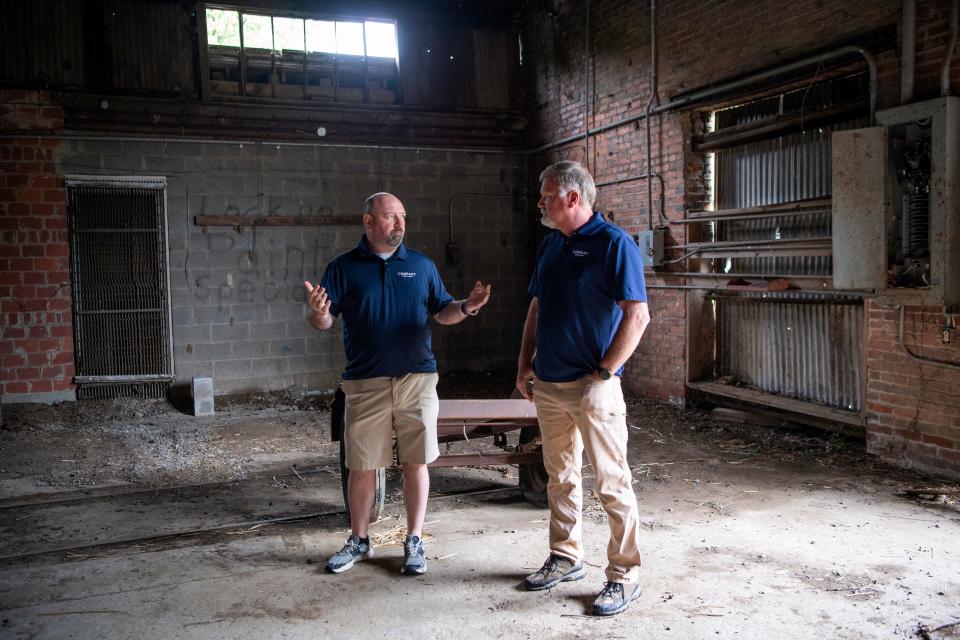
pixel 467 420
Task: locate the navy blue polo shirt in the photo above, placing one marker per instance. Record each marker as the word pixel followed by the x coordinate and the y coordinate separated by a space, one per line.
pixel 386 307
pixel 578 282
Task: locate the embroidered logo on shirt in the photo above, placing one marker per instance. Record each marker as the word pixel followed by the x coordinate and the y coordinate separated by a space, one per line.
pixel 580 253
pixel 407 274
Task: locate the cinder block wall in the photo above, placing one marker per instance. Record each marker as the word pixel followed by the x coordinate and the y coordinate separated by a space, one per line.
pixel 36 350
pixel 699 44
pixel 238 300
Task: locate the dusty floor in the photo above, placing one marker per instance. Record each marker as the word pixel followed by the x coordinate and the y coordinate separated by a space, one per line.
pixel 129 519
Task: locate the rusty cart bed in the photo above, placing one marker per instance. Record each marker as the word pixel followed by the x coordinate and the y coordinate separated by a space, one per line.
pixel 465 421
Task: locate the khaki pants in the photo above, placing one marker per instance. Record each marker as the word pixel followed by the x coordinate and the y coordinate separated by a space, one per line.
pixel 589 414
pixel 378 408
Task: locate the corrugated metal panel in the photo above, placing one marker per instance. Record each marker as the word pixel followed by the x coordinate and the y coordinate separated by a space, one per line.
pixel 152 50
pixel 805 349
pixel 801 346
pixel 42 41
pixel 783 169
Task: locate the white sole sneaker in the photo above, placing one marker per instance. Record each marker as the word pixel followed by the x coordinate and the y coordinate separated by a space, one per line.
pixel 360 558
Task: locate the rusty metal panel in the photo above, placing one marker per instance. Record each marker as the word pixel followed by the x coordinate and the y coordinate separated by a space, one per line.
pixel 42 41
pixel 495 68
pixel 808 348
pixel 152 47
pixel 432 64
pixel 860 202
pixel 121 304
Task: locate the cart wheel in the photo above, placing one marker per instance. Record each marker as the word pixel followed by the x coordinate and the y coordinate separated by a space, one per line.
pixel 379 491
pixel 533 475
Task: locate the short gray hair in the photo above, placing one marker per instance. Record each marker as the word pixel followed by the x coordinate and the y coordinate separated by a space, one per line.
pixel 372 200
pixel 571 175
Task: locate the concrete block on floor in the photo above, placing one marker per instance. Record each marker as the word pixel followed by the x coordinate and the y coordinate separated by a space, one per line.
pixel 201 389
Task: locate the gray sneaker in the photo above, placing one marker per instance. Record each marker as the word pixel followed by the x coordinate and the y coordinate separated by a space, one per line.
pixel 353 551
pixel 555 570
pixel 414 561
pixel 614 598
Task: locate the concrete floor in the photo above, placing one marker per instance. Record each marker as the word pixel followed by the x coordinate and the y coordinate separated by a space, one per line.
pixel 746 535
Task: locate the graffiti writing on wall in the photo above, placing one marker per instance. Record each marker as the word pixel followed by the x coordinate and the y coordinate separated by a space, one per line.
pixel 243 270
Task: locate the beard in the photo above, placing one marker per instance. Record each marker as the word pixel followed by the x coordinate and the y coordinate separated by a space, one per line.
pixel 394 239
pixel 546 221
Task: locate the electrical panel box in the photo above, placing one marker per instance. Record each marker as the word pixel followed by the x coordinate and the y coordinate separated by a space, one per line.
pixel 651 247
pixel 896 205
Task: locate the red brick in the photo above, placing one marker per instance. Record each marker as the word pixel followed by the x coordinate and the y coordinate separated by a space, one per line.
pixel 41 386
pixel 15 387
pixel 13 361
pixel 55 195
pixel 30 195
pixel 28 373
pixel 37 360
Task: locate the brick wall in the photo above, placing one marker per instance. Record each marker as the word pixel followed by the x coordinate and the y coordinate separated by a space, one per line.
pixel 700 44
pixel 238 297
pixel 37 346
pixel 913 408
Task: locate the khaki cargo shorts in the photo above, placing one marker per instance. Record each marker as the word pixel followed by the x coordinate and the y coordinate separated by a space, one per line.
pixel 378 408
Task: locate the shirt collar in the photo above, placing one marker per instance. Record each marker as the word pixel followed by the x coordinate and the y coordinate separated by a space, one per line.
pixel 367 252
pixel 590 226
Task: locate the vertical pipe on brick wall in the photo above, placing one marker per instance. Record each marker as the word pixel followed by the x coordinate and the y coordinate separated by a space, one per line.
pixel 586 91
pixel 948 54
pixel 909 49
pixel 646 116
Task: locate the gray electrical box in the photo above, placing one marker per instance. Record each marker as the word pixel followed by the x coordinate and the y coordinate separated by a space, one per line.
pixel 651 247
pixel 896 205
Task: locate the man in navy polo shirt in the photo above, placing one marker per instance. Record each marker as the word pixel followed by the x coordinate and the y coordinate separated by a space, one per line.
pixel 387 294
pixel 586 318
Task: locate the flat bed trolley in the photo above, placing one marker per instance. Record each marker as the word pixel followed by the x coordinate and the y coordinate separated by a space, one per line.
pixel 463 421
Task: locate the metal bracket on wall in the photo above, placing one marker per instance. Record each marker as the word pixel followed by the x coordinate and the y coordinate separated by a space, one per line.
pixel 238 222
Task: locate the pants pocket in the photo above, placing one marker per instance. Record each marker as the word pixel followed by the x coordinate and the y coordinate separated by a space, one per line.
pixel 603 399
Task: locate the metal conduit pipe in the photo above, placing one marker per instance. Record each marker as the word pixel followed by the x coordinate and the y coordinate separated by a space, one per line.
pixel 646 115
pixel 710 92
pixel 948 54
pixel 272 143
pixel 908 54
pixel 659 178
pixel 586 90
pixel 903 346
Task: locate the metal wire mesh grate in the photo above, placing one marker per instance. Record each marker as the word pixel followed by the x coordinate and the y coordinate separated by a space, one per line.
pixel 120 290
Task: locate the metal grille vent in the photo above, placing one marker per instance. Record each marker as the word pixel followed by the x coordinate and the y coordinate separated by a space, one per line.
pixel 121 301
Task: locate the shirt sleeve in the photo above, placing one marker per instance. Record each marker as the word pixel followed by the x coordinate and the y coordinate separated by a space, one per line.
pixel 439 296
pixel 626 264
pixel 332 281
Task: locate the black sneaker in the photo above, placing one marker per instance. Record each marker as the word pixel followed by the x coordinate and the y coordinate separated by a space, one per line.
pixel 555 570
pixel 353 551
pixel 414 561
pixel 614 598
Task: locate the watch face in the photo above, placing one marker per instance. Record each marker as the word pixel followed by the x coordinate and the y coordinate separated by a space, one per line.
pixel 604 374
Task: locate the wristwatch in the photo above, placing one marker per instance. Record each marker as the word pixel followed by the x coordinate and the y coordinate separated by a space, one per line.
pixel 604 373
pixel 463 309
